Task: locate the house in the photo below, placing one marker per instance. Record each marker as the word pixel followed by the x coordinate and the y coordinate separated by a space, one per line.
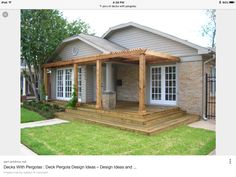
pixel 130 63
pixel 26 91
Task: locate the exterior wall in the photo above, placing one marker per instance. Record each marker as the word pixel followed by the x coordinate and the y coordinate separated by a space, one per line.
pixel 83 50
pixel 132 37
pixel 94 80
pixel 129 76
pixel 208 69
pixel 190 86
pixel 89 83
pixel 53 84
pixel 84 84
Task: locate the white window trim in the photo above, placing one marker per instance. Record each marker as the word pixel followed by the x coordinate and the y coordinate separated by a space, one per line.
pixel 64 82
pixel 163 101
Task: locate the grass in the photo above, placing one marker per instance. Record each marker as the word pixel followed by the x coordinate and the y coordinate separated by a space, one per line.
pixel 30 116
pixel 77 138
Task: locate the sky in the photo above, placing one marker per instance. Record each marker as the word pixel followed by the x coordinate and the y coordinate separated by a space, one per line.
pixel 185 24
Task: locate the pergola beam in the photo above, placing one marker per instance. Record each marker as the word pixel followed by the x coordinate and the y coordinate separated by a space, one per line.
pixel 131 55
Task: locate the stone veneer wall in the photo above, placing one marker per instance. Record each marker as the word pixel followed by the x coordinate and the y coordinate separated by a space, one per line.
pixel 129 76
pixel 190 86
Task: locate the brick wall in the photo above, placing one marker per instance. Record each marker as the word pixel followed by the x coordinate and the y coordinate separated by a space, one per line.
pixel 190 86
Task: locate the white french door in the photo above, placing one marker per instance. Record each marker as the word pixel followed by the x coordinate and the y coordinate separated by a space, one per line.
pixel 163 85
pixel 64 83
pixel 79 84
pixel 60 83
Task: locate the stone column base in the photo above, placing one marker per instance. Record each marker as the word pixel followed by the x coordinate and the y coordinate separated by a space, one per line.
pixel 109 100
pixel 23 98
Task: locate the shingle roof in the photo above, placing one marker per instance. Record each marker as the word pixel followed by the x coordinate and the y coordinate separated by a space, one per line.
pixel 97 42
pixel 103 43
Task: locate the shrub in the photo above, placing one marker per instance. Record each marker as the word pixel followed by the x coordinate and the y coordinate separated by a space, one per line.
pixel 44 109
pixel 73 101
pixel 47 114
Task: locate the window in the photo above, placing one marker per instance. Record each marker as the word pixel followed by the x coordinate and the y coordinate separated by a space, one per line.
pixel 64 84
pixel 156 83
pixel 79 83
pixel 60 83
pixel 163 85
pixel 68 83
pixel 170 87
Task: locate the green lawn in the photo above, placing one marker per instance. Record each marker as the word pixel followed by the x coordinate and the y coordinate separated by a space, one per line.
pixel 30 116
pixel 77 138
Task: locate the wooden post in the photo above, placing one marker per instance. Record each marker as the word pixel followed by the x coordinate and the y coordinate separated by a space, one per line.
pixel 142 83
pixel 76 79
pixel 98 84
pixel 45 79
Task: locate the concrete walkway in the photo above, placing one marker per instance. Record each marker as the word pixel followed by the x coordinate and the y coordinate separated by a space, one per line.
pixel 43 123
pixel 205 124
pixel 25 150
pixel 212 152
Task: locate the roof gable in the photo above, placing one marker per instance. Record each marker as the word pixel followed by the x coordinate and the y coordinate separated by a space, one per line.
pixel 201 50
pixel 100 44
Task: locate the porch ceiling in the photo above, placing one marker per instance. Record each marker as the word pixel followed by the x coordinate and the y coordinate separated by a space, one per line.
pixel 128 56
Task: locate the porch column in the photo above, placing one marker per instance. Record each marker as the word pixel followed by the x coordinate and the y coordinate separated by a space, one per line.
pixel 45 82
pixel 109 95
pixel 109 78
pixel 98 84
pixel 76 79
pixel 24 86
pixel 142 83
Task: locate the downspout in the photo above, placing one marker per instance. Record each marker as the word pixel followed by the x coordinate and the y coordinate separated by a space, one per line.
pixel 204 97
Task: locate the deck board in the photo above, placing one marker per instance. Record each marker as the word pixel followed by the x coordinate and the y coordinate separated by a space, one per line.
pixel 127 117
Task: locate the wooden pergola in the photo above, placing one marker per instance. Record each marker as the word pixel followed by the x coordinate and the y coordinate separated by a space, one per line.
pixel 139 56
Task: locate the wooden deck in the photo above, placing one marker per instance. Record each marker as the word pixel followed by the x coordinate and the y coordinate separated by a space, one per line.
pixel 126 117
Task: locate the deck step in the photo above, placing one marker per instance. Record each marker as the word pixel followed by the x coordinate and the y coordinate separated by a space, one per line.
pixel 172 124
pixel 127 119
pixel 99 116
pixel 128 115
pixel 107 113
pixel 103 122
pixel 149 129
pixel 165 118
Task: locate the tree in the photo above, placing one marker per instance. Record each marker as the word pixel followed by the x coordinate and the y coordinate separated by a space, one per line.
pixel 41 33
pixel 209 29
